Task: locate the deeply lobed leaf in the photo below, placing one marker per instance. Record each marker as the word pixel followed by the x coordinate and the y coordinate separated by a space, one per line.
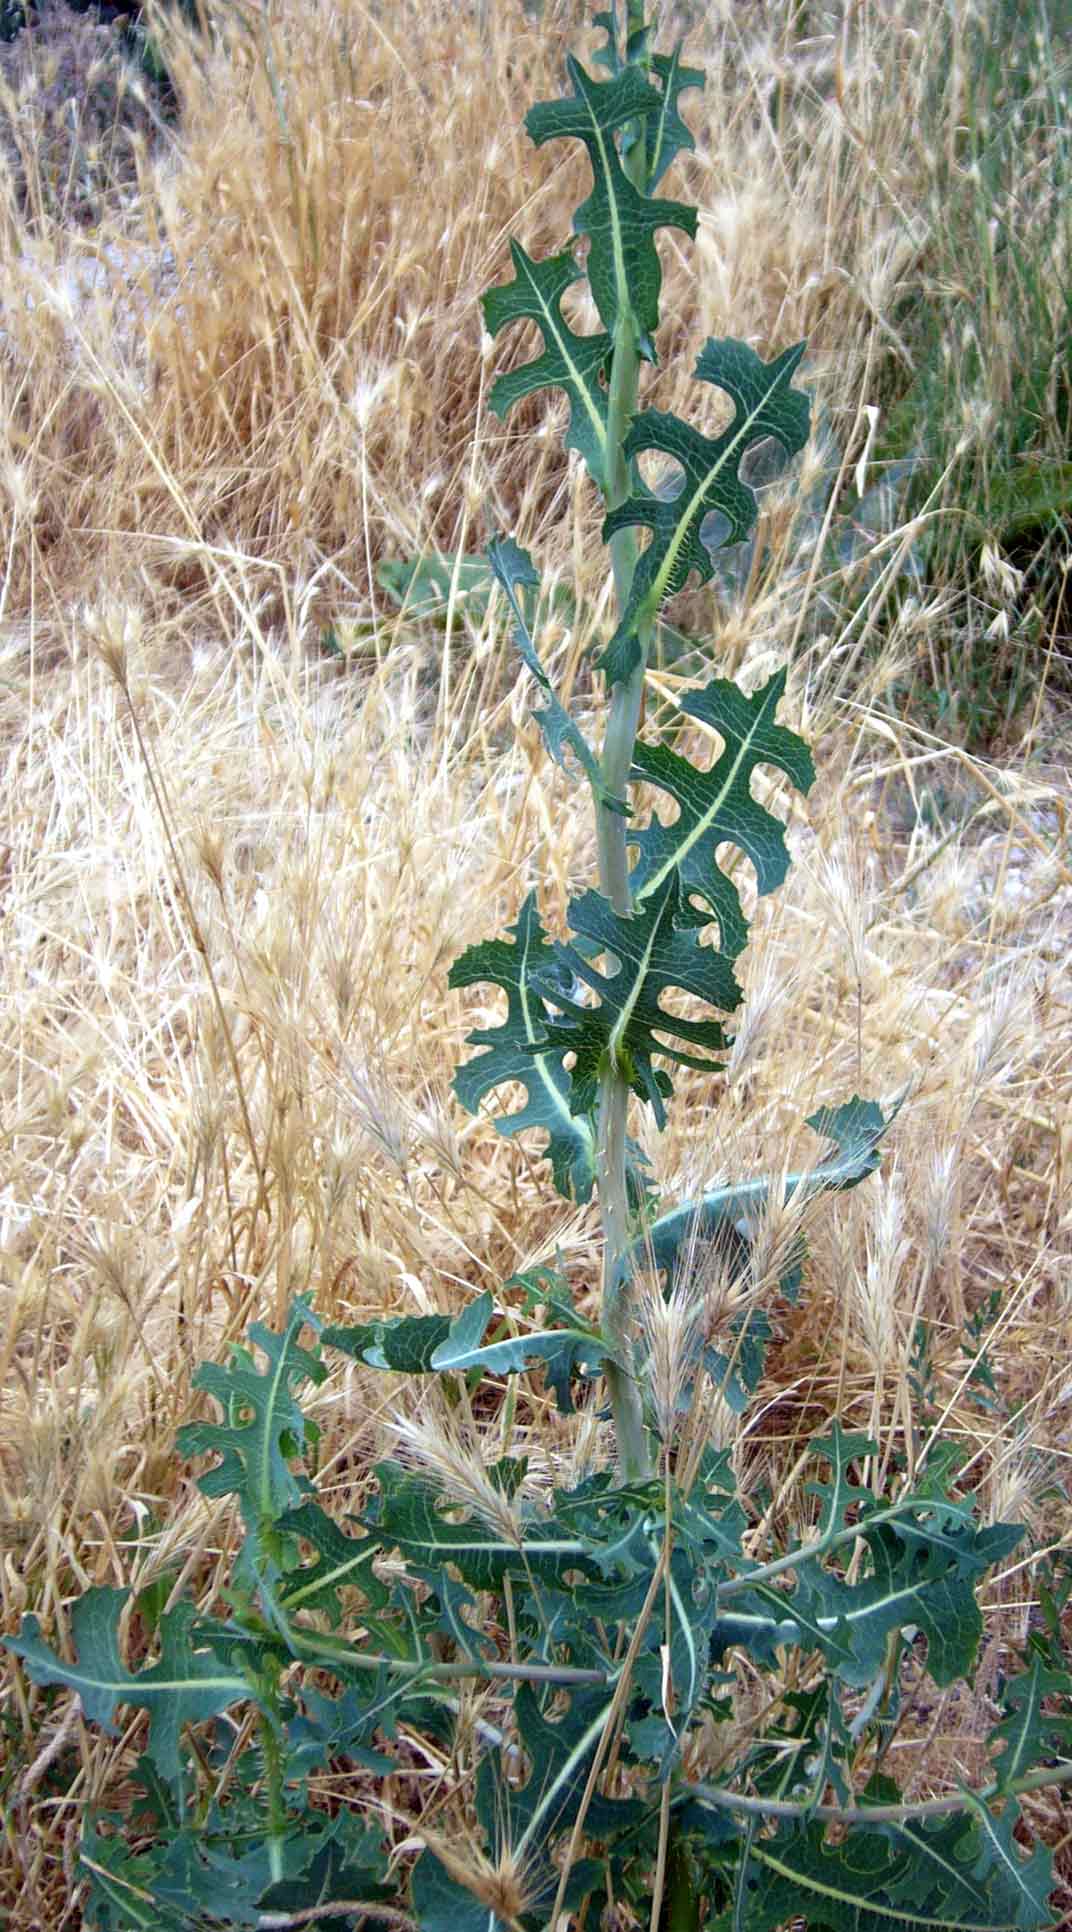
pixel 623 267
pixel 938 1873
pixel 264 1428
pixel 570 362
pixel 727 1216
pixel 665 133
pixel 764 405
pixel 1028 1733
pixel 716 807
pixel 652 955
pixel 526 967
pixel 186 1686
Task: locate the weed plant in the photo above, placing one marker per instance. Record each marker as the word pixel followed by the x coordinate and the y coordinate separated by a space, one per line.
pixel 656 1709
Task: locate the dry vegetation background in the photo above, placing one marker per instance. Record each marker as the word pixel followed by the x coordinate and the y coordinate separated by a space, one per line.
pixel 241 366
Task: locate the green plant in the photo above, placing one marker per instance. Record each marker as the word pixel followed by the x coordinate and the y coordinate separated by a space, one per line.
pixel 577 1663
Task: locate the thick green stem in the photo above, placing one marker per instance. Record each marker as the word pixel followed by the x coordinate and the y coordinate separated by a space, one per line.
pixel 277 1811
pixel 681 1900
pixel 633 1447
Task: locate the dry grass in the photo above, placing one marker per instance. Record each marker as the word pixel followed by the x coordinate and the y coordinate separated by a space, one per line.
pixel 234 873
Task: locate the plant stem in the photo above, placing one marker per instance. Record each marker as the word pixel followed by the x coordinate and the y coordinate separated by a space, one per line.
pixel 277 1813
pixel 681 1903
pixel 709 1794
pixel 315 1644
pixel 633 1448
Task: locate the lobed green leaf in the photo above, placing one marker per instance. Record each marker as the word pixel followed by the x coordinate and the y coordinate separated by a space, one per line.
pixel 519 1050
pixel 938 1874
pixel 651 956
pixel 665 133
pixel 570 362
pixel 437 1345
pixel 186 1686
pixel 265 1429
pixel 340 1562
pixel 727 1216
pixel 764 405
pixel 716 807
pixel 514 569
pixel 1027 1733
pixel 623 266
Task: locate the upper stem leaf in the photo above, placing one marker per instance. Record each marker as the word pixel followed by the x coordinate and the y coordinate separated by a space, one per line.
pixel 665 133
pixel 569 361
pixel 765 405
pixel 623 263
pixel 729 1214
pixel 716 806
pixel 520 1050
pixel 652 955
pixel 513 568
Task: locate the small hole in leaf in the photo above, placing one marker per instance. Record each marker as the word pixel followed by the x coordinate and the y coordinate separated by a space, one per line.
pixel 663 475
pixel 728 859
pixel 762 462
pixel 714 529
pixel 580 310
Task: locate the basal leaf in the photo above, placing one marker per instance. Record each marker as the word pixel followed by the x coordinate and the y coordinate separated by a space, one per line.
pixel 716 806
pixel 346 1862
pixel 570 362
pixel 623 267
pixel 1026 1883
pixel 264 1428
pixel 342 1562
pixel 933 1874
pixel 201 1874
pixel 653 956
pixel 444 1905
pixel 514 570
pixel 560 1753
pixel 518 1050
pixel 1027 1734
pixel 121 1886
pixel 187 1686
pixel 765 405
pixel 918 1581
pixel 342 1727
pixel 409 1521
